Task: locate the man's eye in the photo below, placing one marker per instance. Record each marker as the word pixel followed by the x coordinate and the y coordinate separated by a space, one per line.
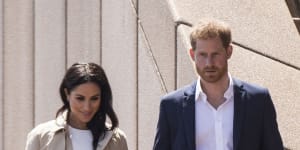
pixel 215 54
pixel 202 54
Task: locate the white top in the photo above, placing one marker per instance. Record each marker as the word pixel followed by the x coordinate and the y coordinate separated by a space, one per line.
pixel 214 127
pixel 81 139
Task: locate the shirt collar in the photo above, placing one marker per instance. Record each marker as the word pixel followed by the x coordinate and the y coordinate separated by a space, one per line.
pixel 199 92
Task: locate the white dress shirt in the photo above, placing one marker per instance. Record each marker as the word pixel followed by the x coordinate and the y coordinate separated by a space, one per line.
pixel 214 127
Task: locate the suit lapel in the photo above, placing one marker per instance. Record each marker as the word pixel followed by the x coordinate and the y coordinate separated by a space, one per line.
pixel 188 105
pixel 239 112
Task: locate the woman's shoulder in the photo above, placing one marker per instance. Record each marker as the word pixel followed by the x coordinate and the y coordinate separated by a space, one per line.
pixel 41 134
pixel 44 128
pixel 114 133
pixel 118 133
pixel 117 140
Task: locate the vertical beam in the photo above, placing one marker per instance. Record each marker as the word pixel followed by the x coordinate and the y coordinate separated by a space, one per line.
pixel 18 72
pixel 49 57
pixel 119 51
pixel 100 29
pixel 135 5
pixel 83 31
pixel 1 76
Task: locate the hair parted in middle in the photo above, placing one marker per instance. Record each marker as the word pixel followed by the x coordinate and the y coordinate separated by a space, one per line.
pixel 80 73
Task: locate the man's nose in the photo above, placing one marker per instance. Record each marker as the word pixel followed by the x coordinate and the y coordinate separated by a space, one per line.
pixel 208 61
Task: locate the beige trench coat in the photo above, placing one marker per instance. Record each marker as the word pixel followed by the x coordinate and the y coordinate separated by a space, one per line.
pixel 54 135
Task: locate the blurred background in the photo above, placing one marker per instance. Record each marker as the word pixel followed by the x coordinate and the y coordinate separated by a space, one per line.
pixel 142 45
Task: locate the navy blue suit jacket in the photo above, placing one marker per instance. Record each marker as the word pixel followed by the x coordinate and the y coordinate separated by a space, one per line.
pixel 254 123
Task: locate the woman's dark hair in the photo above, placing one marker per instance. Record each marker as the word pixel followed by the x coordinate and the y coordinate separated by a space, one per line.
pixel 78 74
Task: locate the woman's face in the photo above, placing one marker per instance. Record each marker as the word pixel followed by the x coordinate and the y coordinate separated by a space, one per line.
pixel 84 102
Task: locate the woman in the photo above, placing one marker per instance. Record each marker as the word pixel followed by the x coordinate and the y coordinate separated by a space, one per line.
pixel 80 123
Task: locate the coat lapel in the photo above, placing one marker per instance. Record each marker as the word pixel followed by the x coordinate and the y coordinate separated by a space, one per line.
pixel 188 105
pixel 106 139
pixel 239 111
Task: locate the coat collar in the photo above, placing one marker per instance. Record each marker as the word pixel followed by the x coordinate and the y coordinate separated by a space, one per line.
pixel 102 143
pixel 61 125
pixel 61 122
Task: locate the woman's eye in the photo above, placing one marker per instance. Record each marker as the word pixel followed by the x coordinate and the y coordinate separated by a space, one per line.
pixel 80 98
pixel 94 98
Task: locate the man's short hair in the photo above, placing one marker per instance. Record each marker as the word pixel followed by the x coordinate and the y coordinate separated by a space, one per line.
pixel 210 28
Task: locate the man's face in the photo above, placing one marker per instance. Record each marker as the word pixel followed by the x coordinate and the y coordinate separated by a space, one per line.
pixel 210 59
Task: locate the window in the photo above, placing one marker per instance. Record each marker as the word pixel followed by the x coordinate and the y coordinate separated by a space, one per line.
pixel 294 7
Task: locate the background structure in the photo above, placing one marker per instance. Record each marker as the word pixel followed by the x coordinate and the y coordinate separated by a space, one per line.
pixel 142 45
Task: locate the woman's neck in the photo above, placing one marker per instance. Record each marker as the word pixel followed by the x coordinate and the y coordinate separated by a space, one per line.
pixel 76 124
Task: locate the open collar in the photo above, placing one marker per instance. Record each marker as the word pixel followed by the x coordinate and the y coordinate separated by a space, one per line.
pixel 61 125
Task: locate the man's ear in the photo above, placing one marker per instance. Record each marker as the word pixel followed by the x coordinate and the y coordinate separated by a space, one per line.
pixel 229 51
pixel 192 54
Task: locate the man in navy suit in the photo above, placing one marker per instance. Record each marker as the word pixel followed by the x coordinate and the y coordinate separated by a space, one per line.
pixel 216 112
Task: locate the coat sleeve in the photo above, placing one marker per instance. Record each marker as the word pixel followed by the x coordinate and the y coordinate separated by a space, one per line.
pixel 33 141
pixel 162 137
pixel 271 136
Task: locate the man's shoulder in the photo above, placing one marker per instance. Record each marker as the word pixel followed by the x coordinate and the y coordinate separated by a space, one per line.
pixel 179 93
pixel 249 87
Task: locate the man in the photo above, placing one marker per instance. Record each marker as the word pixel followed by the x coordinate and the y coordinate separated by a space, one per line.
pixel 216 112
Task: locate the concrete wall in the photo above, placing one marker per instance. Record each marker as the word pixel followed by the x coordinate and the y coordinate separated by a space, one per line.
pixel 18 104
pixel 144 53
pixel 119 59
pixel 50 57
